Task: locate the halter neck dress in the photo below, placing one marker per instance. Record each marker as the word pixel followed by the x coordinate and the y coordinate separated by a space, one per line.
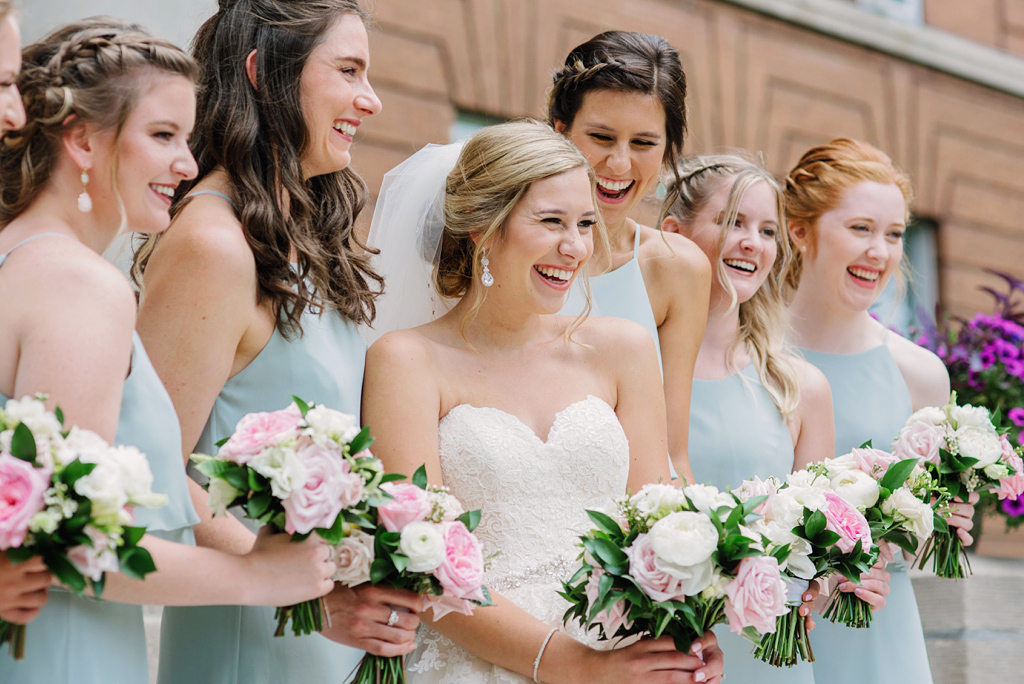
pixel 84 641
pixel 236 644
pixel 737 432
pixel 871 402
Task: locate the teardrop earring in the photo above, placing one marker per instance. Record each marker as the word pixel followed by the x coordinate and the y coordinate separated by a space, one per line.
pixel 486 278
pixel 84 200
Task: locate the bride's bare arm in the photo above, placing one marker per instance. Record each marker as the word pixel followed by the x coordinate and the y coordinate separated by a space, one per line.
pixel 402 404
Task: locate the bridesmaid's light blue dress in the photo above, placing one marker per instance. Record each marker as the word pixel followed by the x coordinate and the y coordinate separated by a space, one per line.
pixel 236 644
pixel 83 641
pixel 871 402
pixel 736 432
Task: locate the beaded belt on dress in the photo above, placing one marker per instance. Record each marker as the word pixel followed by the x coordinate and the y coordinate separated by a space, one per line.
pixel 554 570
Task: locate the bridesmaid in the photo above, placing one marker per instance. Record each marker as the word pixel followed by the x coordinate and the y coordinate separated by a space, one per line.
pixel 23 588
pixel 254 293
pixel 732 208
pixel 109 112
pixel 621 98
pixel 847 206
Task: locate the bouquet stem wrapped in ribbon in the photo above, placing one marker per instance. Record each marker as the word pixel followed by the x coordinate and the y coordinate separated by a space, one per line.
pixel 68 498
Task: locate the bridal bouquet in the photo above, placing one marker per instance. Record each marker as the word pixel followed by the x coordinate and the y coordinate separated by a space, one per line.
pixel 68 498
pixel 422 540
pixel 815 533
pixel 300 470
pixel 677 562
pixel 963 450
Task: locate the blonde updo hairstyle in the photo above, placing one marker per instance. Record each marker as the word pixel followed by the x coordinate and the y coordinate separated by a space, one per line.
pixel 763 318
pixel 817 183
pixel 92 71
pixel 495 170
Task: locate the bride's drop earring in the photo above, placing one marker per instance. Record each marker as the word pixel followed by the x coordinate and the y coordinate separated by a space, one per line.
pixel 486 278
pixel 84 200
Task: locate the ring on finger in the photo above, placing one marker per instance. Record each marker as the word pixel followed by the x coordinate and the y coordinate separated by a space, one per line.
pixel 392 618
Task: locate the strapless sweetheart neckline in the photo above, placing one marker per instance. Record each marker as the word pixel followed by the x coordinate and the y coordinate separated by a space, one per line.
pixel 512 418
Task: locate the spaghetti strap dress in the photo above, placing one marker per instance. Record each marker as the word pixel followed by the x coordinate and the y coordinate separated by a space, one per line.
pixel 86 641
pixel 737 432
pixel 236 644
pixel 871 402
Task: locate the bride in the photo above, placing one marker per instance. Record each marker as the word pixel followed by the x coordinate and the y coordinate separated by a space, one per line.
pixel 527 414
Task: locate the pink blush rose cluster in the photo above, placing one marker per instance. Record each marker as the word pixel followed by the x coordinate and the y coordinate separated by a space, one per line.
pixel 303 469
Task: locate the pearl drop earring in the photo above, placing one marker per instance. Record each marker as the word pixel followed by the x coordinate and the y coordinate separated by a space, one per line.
pixel 84 200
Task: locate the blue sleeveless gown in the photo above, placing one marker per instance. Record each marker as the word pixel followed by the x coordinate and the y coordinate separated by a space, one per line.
pixel 736 432
pixel 871 402
pixel 84 641
pixel 236 644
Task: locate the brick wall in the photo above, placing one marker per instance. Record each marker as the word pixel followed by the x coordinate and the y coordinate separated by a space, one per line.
pixel 755 82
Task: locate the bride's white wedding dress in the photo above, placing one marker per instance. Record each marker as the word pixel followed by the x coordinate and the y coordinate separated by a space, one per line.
pixel 534 495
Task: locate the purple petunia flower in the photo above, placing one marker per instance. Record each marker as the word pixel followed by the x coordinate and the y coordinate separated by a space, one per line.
pixel 1013 507
pixel 1016 416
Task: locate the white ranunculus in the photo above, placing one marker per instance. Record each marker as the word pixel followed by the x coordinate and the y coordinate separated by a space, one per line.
pixel 423 543
pixel 221 494
pixel 658 500
pixel 971 416
pixel 997 471
pixel 706 498
pixel 919 517
pixel 933 415
pixel 857 487
pixel 805 478
pixel 333 424
pixel 683 539
pixel 282 467
pixel 974 442
pixel 353 556
pixel 798 562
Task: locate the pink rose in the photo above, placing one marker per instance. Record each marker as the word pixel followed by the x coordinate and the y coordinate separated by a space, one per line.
pixel 875 462
pixel 318 501
pixel 461 573
pixel 445 604
pixel 920 440
pixel 411 504
pixel 92 560
pixel 21 496
pixel 846 521
pixel 610 619
pixel 659 585
pixel 255 431
pixel 757 595
pixel 1013 486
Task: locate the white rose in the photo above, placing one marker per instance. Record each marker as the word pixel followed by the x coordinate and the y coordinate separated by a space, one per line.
pixel 282 467
pixel 974 442
pixel 353 556
pixel 220 495
pixel 693 579
pixel 779 533
pixel 805 478
pixel 424 545
pixel 997 471
pixel 683 539
pixel 933 415
pixel 706 498
pixel 104 488
pixel 798 562
pixel 971 416
pixel 658 500
pixel 857 487
pixel 332 424
pixel 840 464
pixel 918 515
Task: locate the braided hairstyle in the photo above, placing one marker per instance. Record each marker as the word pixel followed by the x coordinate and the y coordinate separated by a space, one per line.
pixel 763 319
pixel 258 136
pixel 92 71
pixel 817 183
pixel 628 62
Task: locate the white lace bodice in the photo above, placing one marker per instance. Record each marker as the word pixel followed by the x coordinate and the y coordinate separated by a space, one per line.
pixel 534 495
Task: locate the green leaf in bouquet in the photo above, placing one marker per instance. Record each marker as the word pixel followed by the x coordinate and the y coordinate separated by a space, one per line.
pixel 897 474
pixel 59 414
pixel 388 539
pixel 612 558
pixel 604 585
pixel 866 445
pixel 470 519
pixel 605 524
pixel 19 554
pixel 257 483
pixel 237 476
pixel 363 520
pixel 133 535
pixel 604 602
pixel 940 524
pixel 23 444
pixel 392 477
pixel 259 504
pixel 780 553
pixel 221 442
pixel 581 572
pixel 814 523
pixel 400 561
pixel 303 406
pixel 419 478
pixel 664 620
pixel 735 517
pixel 75 470
pixel 335 533
pixel 487 598
pixel 211 466
pixel 135 562
pixel 98 585
pixel 906 542
pixel 66 573
pixel 750 504
pixel 360 442
pixel 825 538
pixel 379 569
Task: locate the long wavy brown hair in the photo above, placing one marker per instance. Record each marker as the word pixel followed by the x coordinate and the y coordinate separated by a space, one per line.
pixel 258 136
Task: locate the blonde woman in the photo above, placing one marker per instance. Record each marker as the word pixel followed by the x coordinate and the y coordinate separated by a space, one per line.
pixel 530 415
